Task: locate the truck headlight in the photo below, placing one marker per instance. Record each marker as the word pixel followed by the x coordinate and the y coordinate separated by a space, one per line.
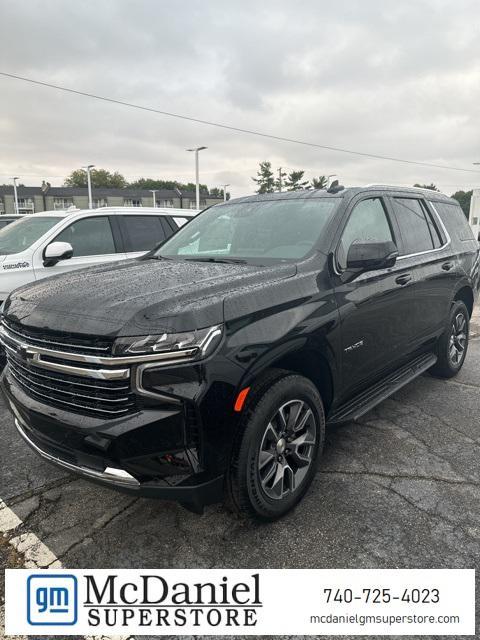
pixel 200 342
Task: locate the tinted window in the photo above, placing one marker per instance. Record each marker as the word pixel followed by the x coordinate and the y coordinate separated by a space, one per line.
pixel 414 226
pixel 367 223
pixel 21 234
pixel 89 237
pixel 454 220
pixel 256 231
pixel 142 233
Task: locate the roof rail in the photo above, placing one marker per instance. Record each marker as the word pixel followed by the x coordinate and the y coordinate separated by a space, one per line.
pixel 400 187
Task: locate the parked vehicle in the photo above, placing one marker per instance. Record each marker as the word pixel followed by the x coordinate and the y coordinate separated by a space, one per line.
pixel 5 220
pixel 209 367
pixel 46 244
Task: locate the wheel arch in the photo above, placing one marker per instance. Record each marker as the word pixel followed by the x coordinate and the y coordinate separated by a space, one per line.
pixel 306 360
pixel 465 294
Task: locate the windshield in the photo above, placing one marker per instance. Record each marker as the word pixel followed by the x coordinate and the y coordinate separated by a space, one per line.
pixel 20 235
pixel 257 232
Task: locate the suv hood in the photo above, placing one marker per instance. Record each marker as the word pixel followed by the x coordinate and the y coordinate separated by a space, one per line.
pixel 137 297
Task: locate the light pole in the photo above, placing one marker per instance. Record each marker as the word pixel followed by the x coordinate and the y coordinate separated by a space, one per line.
pixel 197 180
pixel 15 195
pixel 224 191
pixel 153 192
pixel 89 184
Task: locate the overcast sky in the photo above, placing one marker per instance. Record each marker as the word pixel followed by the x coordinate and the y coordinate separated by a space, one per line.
pixel 396 78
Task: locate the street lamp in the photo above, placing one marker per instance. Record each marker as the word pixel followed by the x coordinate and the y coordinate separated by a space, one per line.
pixel 197 180
pixel 224 191
pixel 89 185
pixel 15 193
pixel 153 192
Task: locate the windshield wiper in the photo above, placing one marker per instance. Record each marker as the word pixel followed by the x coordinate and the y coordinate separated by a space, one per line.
pixel 219 260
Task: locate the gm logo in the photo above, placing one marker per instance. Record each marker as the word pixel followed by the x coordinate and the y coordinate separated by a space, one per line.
pixel 52 599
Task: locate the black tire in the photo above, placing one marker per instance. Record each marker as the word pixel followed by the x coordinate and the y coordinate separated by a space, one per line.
pixel 453 344
pixel 281 398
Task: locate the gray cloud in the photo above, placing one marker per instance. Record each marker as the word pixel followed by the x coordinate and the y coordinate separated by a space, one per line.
pixel 400 79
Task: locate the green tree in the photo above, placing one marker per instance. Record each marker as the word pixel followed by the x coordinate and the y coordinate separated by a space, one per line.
pixel 218 193
pixel 319 183
pixel 431 186
pixel 265 179
pixel 154 183
pixel 464 198
pixel 100 178
pixel 295 182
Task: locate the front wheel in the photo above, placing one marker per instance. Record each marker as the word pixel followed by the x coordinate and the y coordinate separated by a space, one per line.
pixel 453 344
pixel 275 457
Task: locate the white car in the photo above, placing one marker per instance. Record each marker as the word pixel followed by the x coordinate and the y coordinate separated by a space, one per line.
pixel 44 244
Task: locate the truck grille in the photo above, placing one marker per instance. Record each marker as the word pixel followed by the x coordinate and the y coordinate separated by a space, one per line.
pixel 59 341
pixel 108 398
pixel 63 378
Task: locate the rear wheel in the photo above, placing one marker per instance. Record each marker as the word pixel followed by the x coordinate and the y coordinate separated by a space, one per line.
pixel 275 457
pixel 453 344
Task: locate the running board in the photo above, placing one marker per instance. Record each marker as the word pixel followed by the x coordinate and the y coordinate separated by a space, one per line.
pixel 365 401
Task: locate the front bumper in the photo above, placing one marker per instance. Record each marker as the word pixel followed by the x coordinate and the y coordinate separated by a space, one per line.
pixel 169 470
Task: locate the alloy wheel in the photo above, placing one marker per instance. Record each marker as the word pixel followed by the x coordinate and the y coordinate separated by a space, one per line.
pixel 287 449
pixel 458 339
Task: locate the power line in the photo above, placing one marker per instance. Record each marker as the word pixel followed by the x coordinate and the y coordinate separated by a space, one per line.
pixel 260 134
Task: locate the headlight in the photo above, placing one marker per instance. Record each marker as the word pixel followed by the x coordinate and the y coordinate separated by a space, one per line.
pixel 200 342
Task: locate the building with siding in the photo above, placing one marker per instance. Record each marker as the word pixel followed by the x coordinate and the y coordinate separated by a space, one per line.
pixel 48 198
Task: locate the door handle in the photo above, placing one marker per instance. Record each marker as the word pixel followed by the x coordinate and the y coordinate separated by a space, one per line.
pixel 446 266
pixel 403 279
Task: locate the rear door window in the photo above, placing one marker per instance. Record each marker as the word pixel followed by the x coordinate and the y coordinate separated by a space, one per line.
pixel 89 237
pixel 142 233
pixel 416 227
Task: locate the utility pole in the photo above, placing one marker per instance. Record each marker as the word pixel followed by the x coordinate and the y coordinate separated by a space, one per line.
pixel 15 195
pixel 197 178
pixel 224 191
pixel 88 168
pixel 153 192
pixel 280 178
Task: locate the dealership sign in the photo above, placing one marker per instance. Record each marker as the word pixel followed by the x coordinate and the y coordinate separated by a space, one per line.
pixel 240 602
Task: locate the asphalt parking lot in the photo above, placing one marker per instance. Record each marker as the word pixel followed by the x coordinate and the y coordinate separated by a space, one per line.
pixel 399 488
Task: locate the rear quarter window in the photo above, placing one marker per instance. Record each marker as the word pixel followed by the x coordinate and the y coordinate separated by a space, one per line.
pixel 454 221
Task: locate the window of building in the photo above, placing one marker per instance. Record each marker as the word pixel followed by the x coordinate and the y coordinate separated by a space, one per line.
pixel 368 222
pixel 98 203
pixel 132 202
pixel 26 205
pixel 415 226
pixel 62 203
pixel 164 203
pixel 142 233
pixel 2 206
pixel 89 237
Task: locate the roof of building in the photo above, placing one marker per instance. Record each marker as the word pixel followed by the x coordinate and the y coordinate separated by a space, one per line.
pixel 100 192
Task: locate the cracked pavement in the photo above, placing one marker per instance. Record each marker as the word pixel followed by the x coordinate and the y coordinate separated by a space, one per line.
pixel 399 488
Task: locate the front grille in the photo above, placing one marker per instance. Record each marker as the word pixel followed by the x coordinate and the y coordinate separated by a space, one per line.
pixel 55 340
pixel 88 396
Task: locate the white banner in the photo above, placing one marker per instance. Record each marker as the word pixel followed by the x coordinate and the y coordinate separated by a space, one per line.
pixel 241 602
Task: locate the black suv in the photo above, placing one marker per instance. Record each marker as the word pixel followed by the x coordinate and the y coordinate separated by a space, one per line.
pixel 209 367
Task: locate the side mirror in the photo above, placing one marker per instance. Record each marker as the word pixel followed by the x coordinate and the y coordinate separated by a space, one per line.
pixel 369 256
pixel 56 251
